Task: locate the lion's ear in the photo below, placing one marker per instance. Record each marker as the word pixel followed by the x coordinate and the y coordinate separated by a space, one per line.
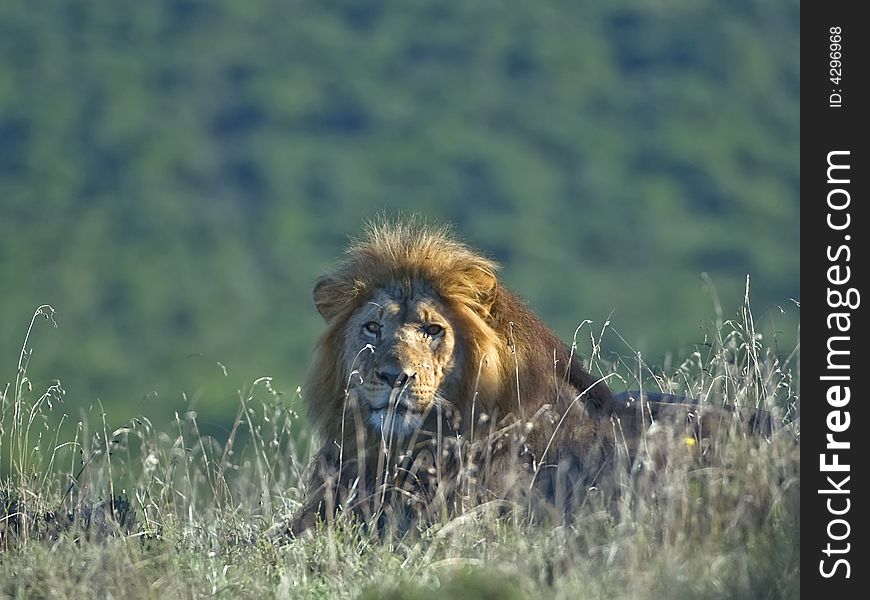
pixel 327 294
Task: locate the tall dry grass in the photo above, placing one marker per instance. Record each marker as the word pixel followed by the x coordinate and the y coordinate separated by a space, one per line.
pixel 140 511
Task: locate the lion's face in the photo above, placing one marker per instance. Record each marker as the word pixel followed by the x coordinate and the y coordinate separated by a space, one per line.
pixel 403 356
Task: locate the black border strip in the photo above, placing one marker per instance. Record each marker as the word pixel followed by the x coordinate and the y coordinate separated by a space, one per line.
pixel 833 228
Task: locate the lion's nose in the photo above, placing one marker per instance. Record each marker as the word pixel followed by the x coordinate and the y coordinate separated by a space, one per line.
pixel 395 379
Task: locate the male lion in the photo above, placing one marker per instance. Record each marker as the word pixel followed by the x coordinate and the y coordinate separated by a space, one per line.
pixel 434 386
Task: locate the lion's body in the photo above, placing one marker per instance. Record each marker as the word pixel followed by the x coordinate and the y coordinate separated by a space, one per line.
pixel 432 376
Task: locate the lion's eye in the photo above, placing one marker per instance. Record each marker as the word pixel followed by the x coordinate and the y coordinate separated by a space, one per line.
pixel 372 327
pixel 433 329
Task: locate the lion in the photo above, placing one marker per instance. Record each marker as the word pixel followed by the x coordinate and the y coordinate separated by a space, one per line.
pixel 434 386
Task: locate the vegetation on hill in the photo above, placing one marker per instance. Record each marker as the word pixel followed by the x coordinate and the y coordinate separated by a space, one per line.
pixel 174 174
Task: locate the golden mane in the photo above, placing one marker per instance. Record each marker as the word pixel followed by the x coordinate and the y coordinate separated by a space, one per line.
pixel 512 367
pixel 506 342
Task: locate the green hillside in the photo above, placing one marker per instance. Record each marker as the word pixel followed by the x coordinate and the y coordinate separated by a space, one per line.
pixel 174 174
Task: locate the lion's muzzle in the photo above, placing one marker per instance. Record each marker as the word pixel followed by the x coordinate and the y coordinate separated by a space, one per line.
pixel 395 378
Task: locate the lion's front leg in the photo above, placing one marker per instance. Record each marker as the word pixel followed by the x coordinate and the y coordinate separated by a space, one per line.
pixel 333 484
pixel 320 503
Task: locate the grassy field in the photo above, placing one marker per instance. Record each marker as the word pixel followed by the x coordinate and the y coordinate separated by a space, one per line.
pixel 134 512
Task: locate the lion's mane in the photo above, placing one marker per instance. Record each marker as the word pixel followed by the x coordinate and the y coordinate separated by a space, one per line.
pixel 573 433
pixel 505 344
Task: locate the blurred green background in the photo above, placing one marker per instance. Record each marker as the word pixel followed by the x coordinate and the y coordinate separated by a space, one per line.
pixel 174 174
